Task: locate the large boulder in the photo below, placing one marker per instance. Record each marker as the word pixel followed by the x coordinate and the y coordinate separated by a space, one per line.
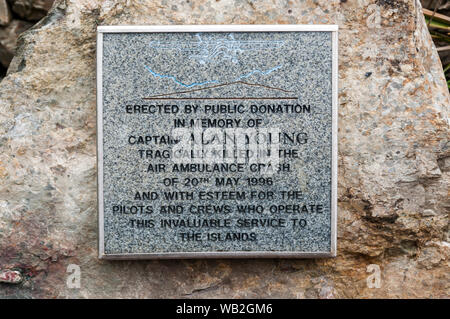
pixel 394 159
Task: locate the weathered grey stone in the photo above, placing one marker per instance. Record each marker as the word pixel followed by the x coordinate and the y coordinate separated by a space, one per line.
pixel 393 159
pixel 31 9
pixel 5 13
pixel 8 39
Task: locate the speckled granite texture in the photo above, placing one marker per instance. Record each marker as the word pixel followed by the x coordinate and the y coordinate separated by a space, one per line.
pixel 217 65
pixel 394 160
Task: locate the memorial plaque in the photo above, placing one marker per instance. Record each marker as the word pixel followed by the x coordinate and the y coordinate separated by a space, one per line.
pixel 217 141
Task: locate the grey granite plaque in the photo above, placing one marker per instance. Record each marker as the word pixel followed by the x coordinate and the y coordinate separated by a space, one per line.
pixel 217 141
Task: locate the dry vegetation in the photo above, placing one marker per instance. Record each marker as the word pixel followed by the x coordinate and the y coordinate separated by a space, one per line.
pixel 437 15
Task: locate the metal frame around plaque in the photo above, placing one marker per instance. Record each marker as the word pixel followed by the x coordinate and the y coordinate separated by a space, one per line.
pixel 219 28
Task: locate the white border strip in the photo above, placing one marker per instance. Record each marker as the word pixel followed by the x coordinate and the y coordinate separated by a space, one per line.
pixel 101 239
pixel 219 28
pixel 218 254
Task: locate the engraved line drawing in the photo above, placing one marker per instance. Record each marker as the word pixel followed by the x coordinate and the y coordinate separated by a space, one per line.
pixel 215 50
pixel 221 85
pixel 173 78
pixel 259 71
pixel 170 96
pixel 241 77
pixel 222 98
pixel 205 51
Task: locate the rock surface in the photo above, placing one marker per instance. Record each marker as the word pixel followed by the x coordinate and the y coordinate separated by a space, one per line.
pixel 394 159
pixel 11 27
pixel 8 40
pixel 5 13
